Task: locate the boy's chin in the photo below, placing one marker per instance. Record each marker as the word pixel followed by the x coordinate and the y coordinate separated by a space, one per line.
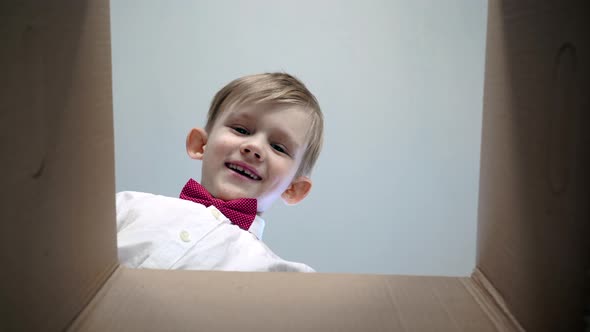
pixel 228 194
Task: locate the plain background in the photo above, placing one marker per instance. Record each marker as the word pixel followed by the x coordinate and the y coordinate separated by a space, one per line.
pixel 400 84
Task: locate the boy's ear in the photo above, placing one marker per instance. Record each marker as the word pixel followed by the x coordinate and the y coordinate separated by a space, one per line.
pixel 297 190
pixel 196 140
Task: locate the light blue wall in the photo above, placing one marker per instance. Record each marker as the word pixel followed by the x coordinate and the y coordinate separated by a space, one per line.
pixel 400 84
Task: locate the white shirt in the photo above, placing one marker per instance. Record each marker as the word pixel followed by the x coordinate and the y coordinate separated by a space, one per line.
pixel 161 232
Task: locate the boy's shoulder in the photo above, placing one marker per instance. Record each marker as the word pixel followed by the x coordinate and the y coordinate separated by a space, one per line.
pixel 127 199
pixel 145 210
pixel 134 207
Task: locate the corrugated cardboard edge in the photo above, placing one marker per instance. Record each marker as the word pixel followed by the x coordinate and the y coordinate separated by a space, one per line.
pixel 491 302
pixel 104 282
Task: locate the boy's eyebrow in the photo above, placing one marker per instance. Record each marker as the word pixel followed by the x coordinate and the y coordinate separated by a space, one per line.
pixel 238 115
pixel 287 138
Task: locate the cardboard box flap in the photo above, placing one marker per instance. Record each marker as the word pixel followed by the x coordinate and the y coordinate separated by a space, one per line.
pixel 492 302
pixel 154 300
pixel 533 227
pixel 58 232
pixel 58 241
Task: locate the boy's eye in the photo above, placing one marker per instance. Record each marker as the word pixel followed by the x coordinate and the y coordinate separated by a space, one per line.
pixel 241 130
pixel 279 148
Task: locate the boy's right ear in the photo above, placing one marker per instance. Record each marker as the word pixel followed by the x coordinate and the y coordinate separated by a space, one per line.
pixel 196 140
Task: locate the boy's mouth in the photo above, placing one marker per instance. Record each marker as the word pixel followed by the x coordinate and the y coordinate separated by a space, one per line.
pixel 244 171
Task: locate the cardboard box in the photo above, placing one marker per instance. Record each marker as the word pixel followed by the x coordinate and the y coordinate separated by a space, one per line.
pixel 59 261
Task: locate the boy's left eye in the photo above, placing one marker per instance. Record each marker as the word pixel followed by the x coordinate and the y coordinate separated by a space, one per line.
pixel 241 130
pixel 279 148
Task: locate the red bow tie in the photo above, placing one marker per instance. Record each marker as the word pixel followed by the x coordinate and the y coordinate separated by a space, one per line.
pixel 241 211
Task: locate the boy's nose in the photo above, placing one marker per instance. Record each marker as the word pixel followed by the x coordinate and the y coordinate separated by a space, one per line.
pixel 252 150
pixel 256 154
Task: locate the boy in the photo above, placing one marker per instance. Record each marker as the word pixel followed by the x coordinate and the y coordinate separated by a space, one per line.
pixel 263 135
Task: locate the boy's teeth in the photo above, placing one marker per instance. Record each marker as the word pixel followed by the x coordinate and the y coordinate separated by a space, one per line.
pixel 245 171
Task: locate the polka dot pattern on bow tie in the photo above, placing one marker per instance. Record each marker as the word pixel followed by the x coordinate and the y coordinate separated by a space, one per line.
pixel 241 211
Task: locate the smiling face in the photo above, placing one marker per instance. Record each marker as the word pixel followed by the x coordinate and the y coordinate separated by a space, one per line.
pixel 254 151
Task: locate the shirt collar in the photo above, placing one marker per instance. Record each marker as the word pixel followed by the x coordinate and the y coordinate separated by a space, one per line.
pixel 257 227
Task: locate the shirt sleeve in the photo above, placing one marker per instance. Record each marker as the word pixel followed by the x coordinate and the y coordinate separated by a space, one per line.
pixel 287 266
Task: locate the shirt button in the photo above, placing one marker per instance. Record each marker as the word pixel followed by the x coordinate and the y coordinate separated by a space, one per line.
pixel 216 213
pixel 185 236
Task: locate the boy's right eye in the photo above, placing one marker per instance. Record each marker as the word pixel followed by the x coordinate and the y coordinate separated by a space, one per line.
pixel 241 130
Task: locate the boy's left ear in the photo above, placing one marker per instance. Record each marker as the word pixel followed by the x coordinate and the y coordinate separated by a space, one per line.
pixel 297 190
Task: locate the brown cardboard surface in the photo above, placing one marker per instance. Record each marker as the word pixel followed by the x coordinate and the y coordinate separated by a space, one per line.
pixel 492 302
pixel 57 178
pixel 533 226
pixel 153 300
pixel 57 194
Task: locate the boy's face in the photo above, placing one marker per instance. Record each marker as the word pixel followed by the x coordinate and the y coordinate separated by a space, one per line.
pixel 254 151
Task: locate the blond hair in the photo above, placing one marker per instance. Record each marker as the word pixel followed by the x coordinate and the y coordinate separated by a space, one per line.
pixel 273 88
